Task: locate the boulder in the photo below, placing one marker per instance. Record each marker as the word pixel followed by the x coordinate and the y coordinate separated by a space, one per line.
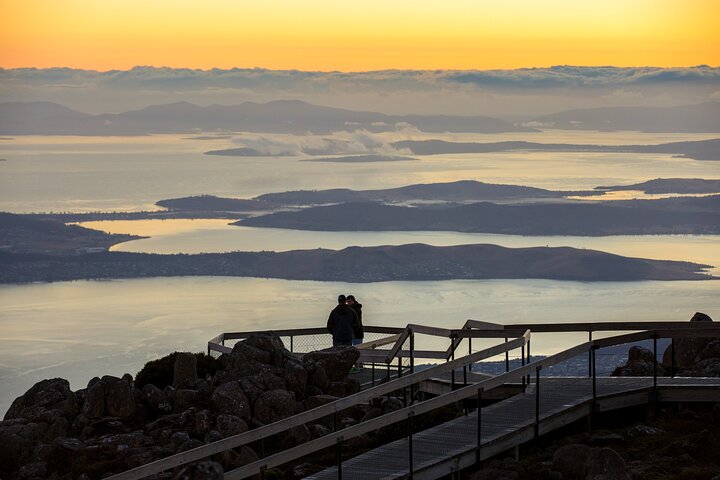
pixel 119 397
pixel 203 424
pixel 185 398
pixel 52 396
pixel 687 350
pixel 572 461
pixel 316 375
pixel 295 377
pixel 185 370
pixel 336 361
pixel 231 399
pixel 641 362
pixel 274 405
pixel 94 405
pixel 229 425
pixel 580 462
pixel 155 399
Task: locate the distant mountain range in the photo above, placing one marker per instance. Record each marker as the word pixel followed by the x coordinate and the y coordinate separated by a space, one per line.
pixel 292 116
pixel 700 118
pixel 698 150
pixel 283 116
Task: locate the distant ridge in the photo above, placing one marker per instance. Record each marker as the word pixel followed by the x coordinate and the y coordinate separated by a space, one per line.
pixel 358 264
pixel 700 118
pixel 280 116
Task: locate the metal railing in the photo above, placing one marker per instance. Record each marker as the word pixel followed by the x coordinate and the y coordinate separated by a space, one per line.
pixel 403 383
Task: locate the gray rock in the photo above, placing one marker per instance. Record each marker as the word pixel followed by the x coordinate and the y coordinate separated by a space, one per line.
pixel 336 361
pixel 273 406
pixel 580 462
pixel 94 406
pixel 230 399
pixel 155 399
pixel 641 362
pixel 229 425
pixel 185 370
pixel 177 439
pixel 572 461
pixel 185 398
pixel 45 396
pixel 119 397
pixel 203 424
pixel 295 377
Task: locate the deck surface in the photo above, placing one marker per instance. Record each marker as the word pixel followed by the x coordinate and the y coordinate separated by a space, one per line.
pixel 500 420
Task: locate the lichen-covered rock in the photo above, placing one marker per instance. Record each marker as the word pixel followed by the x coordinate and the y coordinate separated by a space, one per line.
pixel 295 377
pixel 336 361
pixel 52 396
pixel 119 397
pixel 273 406
pixel 186 398
pixel 580 462
pixel 185 370
pixel 231 399
pixel 687 350
pixel 155 399
pixel 641 362
pixel 229 425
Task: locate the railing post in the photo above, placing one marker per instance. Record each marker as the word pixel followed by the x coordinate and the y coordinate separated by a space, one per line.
pixel 479 423
pixel 522 364
pixel 452 357
pixel 470 349
pixel 655 370
pixel 537 402
pixel 410 443
pixel 528 359
pixel 292 337
pixel 399 375
pixel 372 369
pixel 590 353
pixel 338 453
pixel 412 351
pixel 507 358
pixel 672 357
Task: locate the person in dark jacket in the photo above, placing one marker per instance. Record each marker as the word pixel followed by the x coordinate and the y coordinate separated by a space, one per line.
pixel 342 323
pixel 355 305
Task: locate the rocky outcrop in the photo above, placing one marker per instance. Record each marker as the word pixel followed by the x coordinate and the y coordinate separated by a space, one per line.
pixel 641 362
pixel 687 357
pixel 113 425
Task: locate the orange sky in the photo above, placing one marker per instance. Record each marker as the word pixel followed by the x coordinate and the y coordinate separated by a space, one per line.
pixel 354 36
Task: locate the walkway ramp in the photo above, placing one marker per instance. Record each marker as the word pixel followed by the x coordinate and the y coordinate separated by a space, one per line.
pixel 440 450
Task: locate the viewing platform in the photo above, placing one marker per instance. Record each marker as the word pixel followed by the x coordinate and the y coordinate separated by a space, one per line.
pixel 496 412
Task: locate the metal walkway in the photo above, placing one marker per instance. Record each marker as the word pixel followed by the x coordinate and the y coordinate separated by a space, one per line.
pixel 439 450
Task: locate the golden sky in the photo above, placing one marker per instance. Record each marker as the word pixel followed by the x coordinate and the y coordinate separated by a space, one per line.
pixel 353 35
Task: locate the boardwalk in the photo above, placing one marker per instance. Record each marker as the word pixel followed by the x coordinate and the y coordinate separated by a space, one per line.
pixel 439 450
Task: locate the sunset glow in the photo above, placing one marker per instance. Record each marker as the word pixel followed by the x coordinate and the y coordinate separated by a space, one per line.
pixel 357 36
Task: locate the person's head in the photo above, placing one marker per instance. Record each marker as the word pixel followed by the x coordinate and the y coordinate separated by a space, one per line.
pixel 342 300
pixel 350 299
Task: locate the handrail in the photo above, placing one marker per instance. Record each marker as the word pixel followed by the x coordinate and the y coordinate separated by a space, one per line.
pixel 671 329
pixel 314 414
pixel 426 406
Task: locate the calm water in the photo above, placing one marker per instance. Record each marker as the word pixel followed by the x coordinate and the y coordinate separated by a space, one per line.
pixel 214 236
pixel 130 173
pixel 81 329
